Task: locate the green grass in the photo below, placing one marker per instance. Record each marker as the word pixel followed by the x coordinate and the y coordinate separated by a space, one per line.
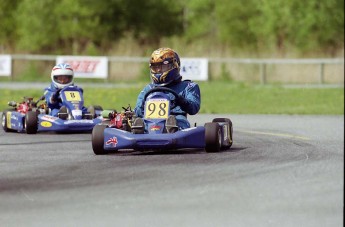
pixel 220 97
pixel 257 99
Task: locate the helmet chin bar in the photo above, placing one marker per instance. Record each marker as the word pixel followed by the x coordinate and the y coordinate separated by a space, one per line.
pixel 60 86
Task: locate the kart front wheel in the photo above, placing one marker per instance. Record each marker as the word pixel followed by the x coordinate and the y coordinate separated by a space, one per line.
pixel 94 111
pixel 98 139
pixel 4 121
pixel 30 122
pixel 213 140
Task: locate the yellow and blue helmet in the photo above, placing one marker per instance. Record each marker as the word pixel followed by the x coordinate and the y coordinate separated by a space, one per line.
pixel 164 66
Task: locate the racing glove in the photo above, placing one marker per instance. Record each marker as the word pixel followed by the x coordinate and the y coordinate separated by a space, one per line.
pixel 55 96
pixel 182 102
pixel 112 114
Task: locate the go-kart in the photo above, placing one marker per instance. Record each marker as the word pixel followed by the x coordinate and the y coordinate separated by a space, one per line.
pixel 158 105
pixel 31 117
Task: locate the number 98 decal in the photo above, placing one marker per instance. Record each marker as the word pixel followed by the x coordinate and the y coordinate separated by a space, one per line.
pixel 157 108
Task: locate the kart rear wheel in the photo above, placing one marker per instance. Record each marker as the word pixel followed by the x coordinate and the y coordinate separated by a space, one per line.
pixel 213 138
pixel 98 107
pixel 92 110
pixel 30 122
pixel 227 120
pixel 98 140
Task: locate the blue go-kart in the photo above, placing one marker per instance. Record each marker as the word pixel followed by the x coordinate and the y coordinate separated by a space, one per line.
pixel 213 136
pixel 30 117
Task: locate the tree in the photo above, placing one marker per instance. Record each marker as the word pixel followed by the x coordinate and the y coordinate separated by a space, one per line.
pixel 66 26
pixel 199 19
pixel 236 21
pixel 71 25
pixel 37 25
pixel 151 20
pixel 8 34
pixel 304 25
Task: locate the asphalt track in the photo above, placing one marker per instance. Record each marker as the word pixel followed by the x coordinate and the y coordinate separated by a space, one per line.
pixel 282 170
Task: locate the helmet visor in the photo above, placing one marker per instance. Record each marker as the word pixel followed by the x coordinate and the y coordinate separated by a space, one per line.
pixel 63 79
pixel 161 67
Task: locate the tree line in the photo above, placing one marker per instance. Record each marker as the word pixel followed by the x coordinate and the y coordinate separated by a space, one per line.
pixel 64 26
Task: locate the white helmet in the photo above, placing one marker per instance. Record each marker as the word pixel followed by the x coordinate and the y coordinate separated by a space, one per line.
pixel 62 75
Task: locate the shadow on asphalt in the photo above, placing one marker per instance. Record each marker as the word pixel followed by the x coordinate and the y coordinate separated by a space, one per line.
pixel 172 152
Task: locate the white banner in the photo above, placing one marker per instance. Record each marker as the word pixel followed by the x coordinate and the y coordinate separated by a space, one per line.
pixel 194 68
pixel 86 66
pixel 5 65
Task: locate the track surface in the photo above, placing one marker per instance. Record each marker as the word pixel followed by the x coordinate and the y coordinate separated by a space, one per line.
pixel 281 171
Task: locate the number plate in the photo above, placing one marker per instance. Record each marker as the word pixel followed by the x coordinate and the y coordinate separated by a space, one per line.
pixel 72 96
pixel 8 119
pixel 157 109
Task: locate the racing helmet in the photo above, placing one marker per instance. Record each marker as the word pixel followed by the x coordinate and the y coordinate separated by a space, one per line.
pixel 62 75
pixel 164 66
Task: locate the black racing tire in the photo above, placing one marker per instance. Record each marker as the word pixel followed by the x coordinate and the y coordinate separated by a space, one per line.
pixel 212 137
pixel 227 120
pixel 31 122
pixel 92 110
pixel 4 121
pixel 98 140
pixel 98 107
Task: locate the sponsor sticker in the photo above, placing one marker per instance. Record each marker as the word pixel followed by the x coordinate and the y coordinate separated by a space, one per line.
pixel 49 118
pixel 46 124
pixel 155 128
pixel 112 141
pixel 78 122
pixel 225 131
pixel 14 117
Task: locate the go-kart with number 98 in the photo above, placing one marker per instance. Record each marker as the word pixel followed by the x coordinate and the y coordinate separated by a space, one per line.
pixel 158 104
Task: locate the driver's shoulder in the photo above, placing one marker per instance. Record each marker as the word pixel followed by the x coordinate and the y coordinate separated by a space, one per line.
pixel 50 88
pixel 149 87
pixel 188 84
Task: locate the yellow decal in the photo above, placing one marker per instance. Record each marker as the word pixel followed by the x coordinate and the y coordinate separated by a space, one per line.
pixel 72 96
pixel 8 119
pixel 46 124
pixel 157 108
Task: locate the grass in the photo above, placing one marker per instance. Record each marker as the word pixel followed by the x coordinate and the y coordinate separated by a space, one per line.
pixel 257 99
pixel 219 97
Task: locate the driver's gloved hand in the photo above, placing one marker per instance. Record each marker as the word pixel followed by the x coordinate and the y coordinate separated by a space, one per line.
pixel 112 114
pixel 182 102
pixel 55 96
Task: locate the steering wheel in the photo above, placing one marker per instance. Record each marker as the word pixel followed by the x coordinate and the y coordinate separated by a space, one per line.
pixel 164 90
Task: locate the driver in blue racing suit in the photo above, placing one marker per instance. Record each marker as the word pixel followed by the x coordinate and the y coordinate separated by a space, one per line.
pixel 165 72
pixel 61 76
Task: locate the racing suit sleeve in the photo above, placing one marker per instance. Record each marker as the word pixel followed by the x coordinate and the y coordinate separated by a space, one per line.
pixel 190 99
pixel 139 107
pixel 51 97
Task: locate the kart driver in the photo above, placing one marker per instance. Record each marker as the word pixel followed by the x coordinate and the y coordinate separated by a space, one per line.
pixel 61 76
pixel 165 72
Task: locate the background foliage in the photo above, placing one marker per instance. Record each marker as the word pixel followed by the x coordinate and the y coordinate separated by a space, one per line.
pixel 78 26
